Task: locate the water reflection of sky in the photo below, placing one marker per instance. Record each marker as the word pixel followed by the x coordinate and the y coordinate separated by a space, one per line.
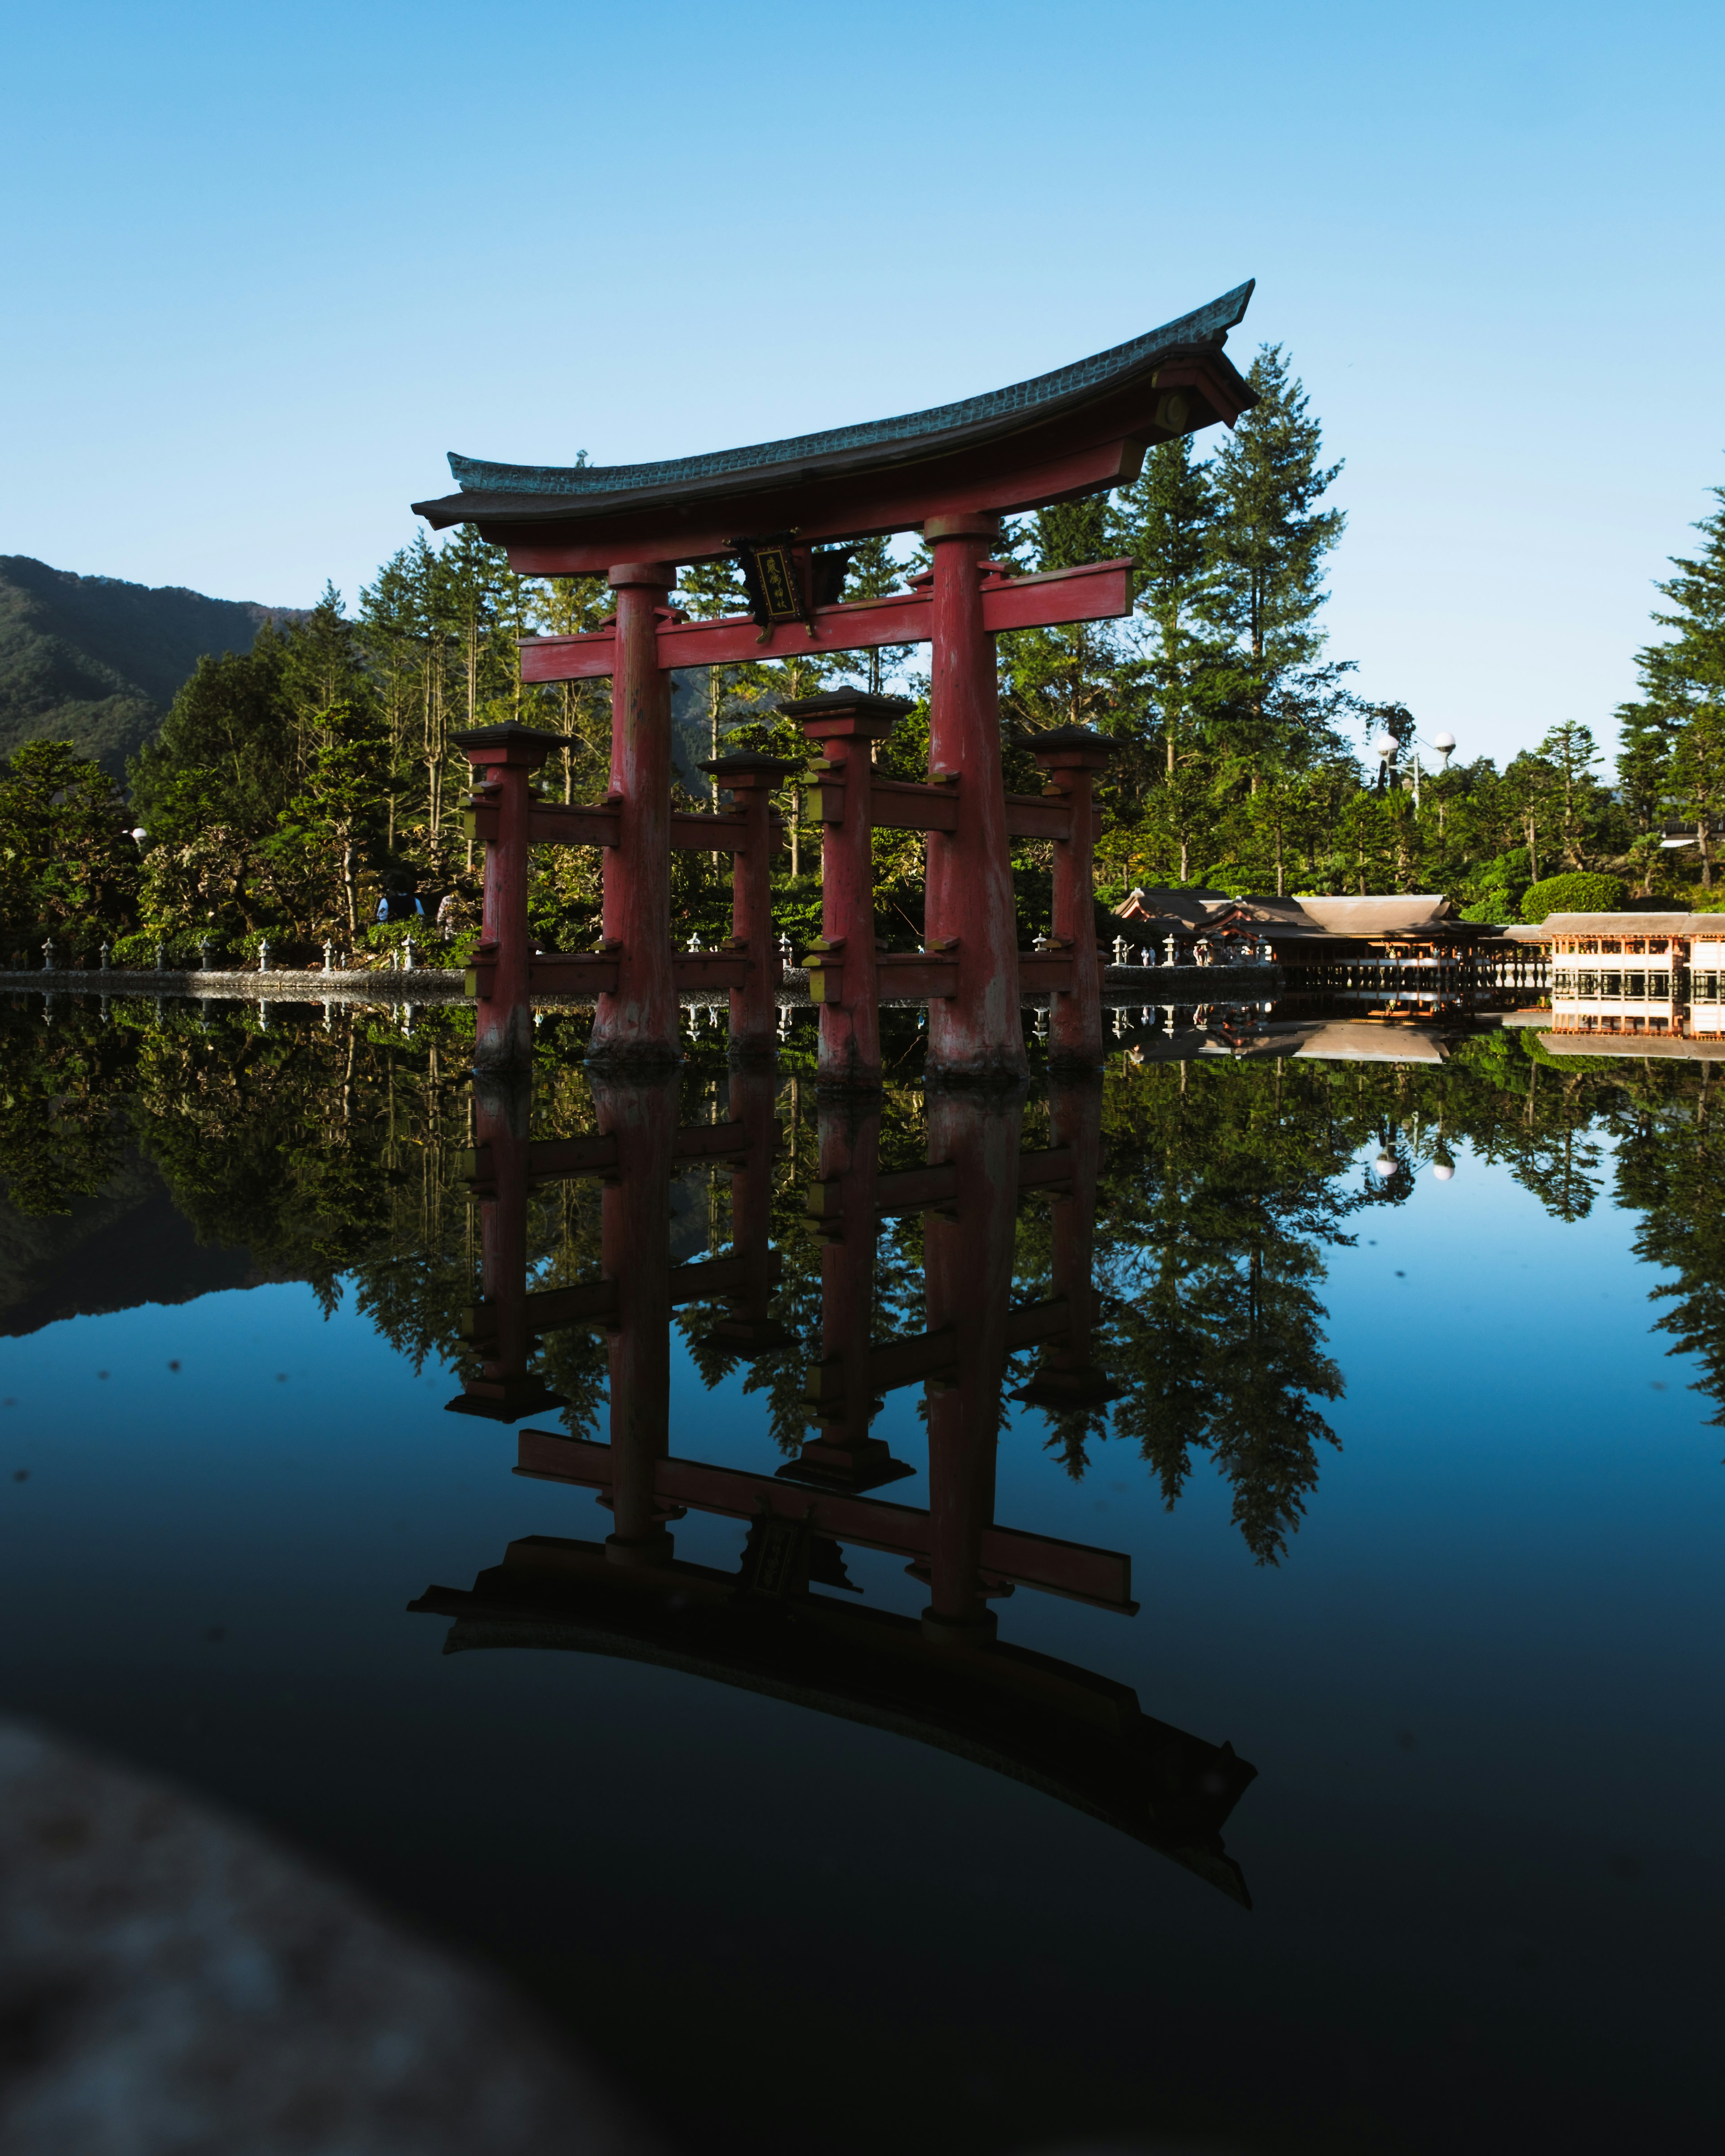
pixel 1480 1690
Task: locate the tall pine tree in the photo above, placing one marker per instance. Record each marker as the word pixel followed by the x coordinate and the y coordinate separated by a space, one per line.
pixel 1165 521
pixel 1268 544
pixel 1683 687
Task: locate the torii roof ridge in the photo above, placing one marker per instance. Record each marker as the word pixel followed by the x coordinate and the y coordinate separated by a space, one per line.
pixel 1205 326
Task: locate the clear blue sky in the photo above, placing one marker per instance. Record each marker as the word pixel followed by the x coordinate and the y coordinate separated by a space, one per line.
pixel 265 265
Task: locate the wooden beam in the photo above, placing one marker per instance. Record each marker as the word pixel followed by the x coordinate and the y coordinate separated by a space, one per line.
pixel 557 1160
pixel 714 1279
pixel 831 508
pixel 1050 971
pixel 1096 591
pixel 913 1190
pixel 902 805
pixel 710 969
pixel 927 1355
pixel 915 974
pixel 573 973
pixel 1044 816
pixel 1082 1573
pixel 597 823
pixel 595 1303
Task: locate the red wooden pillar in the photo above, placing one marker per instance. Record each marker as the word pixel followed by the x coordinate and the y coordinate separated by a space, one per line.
pixel 1066 1377
pixel 634 1239
pixel 844 725
pixel 841 1393
pixel 504 759
pixel 1071 756
pixel 505 1389
pixel 978 1032
pixel 747 1329
pixel 968 1257
pixel 637 1022
pixel 751 781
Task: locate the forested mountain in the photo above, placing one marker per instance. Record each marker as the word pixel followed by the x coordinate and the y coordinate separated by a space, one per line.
pixel 96 662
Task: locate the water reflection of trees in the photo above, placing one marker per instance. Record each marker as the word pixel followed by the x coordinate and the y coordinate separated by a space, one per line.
pixel 333 1153
pixel 1224 1184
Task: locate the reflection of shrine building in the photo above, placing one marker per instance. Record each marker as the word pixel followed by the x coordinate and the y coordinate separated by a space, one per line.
pixel 785 1622
pixel 1655 979
pixel 1706 984
pixel 1404 955
pixel 1614 978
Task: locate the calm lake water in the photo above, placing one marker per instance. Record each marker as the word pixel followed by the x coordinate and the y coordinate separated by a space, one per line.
pixel 1398 1386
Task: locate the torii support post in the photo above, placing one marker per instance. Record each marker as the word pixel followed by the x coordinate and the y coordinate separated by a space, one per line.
pixel 746 1328
pixel 841 1391
pixel 976 1033
pixel 1071 757
pixel 505 1389
pixel 968 1263
pixel 635 1252
pixel 750 780
pixel 504 759
pixel 1066 1377
pixel 636 1023
pixel 844 725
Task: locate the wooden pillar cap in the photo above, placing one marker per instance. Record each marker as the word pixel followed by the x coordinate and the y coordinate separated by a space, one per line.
pixel 662 575
pixel 749 768
pixel 511 743
pixel 1059 747
pixel 975 524
pixel 846 714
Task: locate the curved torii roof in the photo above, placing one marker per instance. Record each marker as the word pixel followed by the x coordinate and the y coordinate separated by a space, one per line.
pixel 1059 436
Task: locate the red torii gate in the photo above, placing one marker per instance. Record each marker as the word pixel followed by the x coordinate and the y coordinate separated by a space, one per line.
pixel 946 1675
pixel 951 473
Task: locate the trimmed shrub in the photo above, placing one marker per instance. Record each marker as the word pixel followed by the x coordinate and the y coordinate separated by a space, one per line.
pixel 1578 893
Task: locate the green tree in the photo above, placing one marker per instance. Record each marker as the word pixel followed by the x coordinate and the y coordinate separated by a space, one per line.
pixel 871 575
pixel 335 824
pixel 1268 544
pixel 1068 676
pixel 1580 892
pixel 1699 777
pixel 1165 520
pixel 1578 801
pixel 1683 682
pixel 228 752
pixel 67 860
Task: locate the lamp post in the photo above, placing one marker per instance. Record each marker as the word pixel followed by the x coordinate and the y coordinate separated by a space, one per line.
pixel 1386 748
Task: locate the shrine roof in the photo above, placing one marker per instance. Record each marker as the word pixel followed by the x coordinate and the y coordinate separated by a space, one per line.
pixel 1427 914
pixel 1702 926
pixel 526 495
pixel 1705 1048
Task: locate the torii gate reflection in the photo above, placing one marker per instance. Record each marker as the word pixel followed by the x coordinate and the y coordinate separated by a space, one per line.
pixel 945 1678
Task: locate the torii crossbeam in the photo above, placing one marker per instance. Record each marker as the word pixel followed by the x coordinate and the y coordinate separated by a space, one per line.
pixel 952 473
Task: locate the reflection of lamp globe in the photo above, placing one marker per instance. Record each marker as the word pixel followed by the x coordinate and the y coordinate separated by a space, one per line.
pixel 1443 1169
pixel 1385 746
pixel 1384 1165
